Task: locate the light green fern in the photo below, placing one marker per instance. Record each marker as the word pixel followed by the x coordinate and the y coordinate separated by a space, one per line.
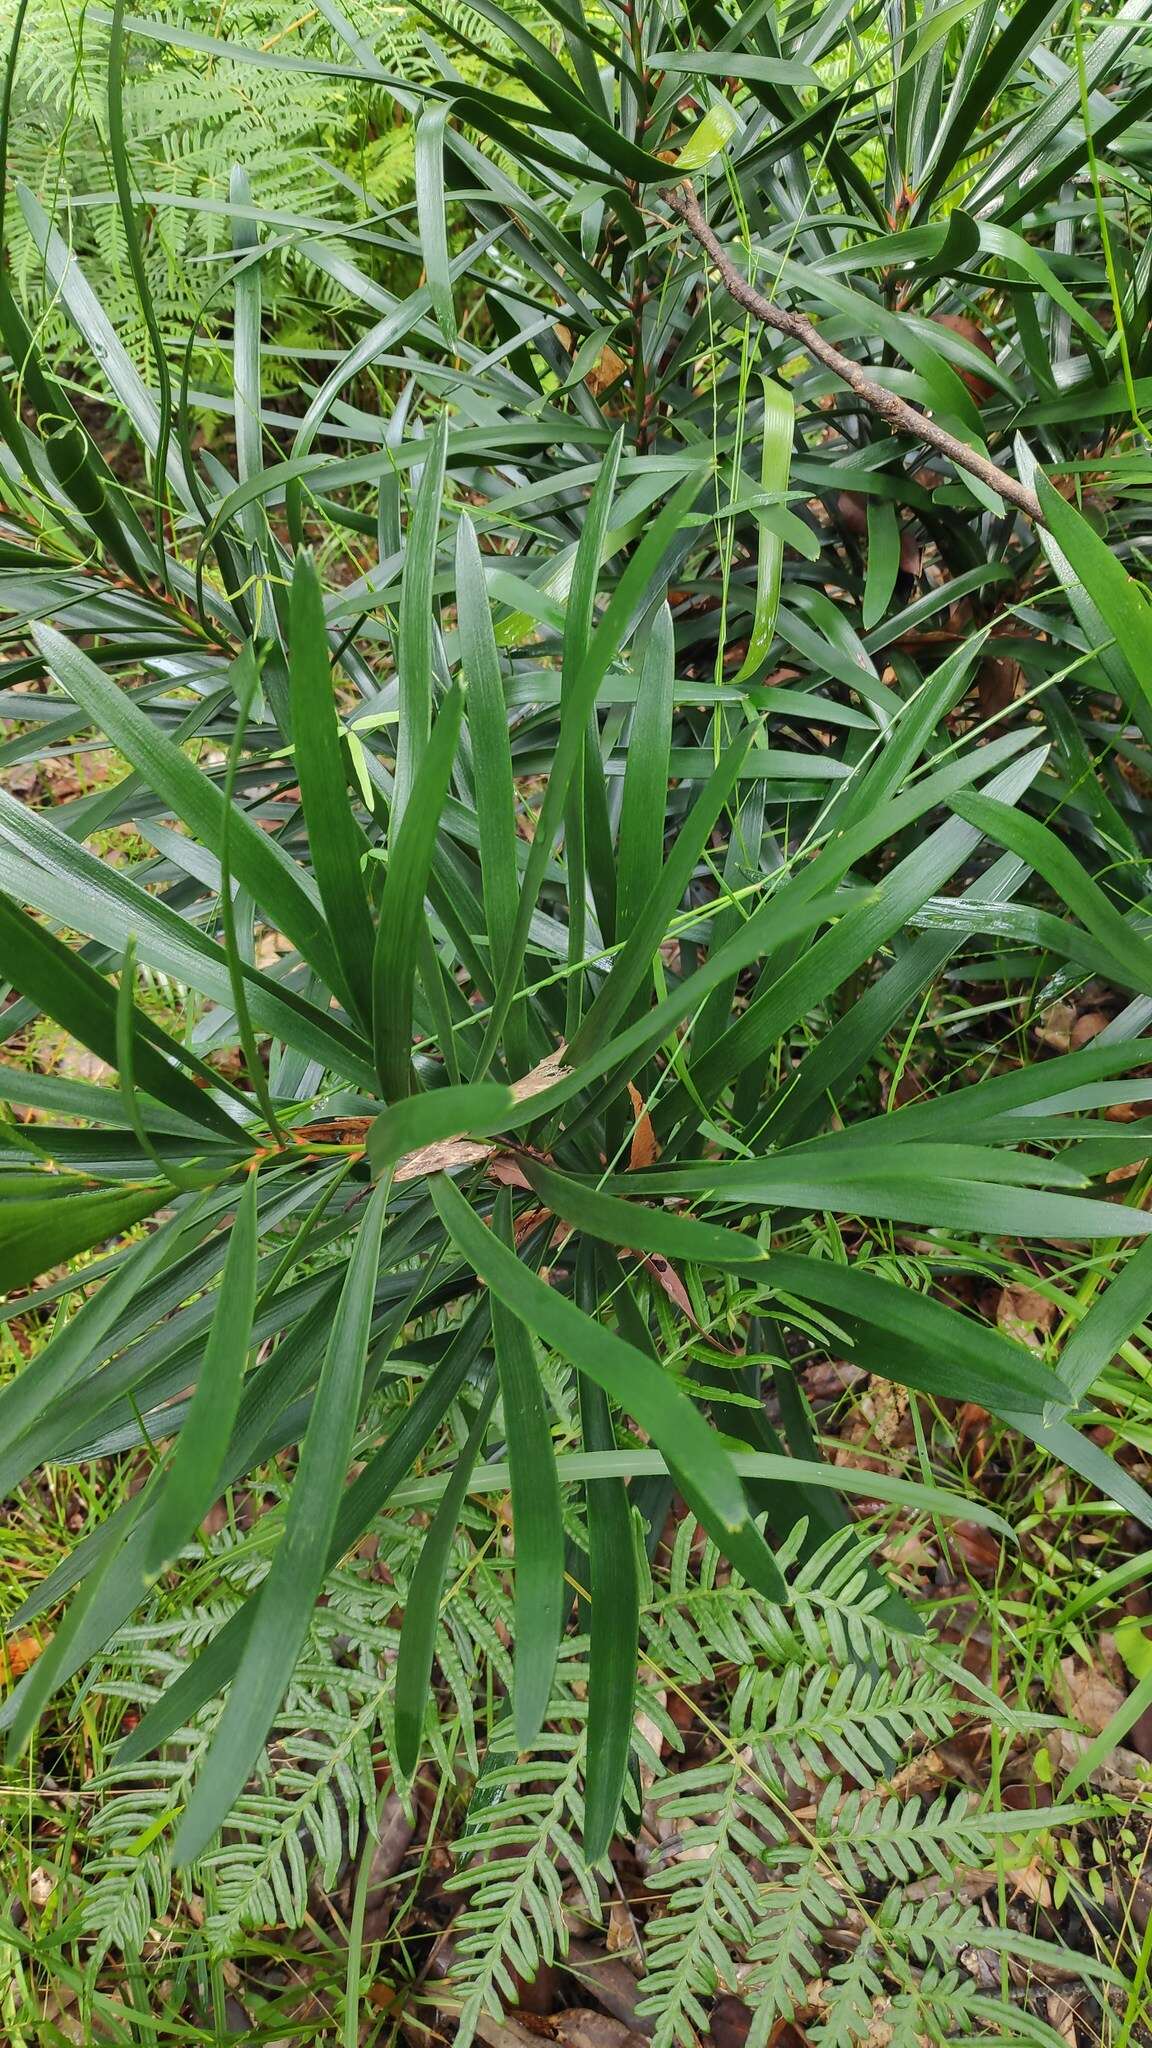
pixel 332 154
pixel 787 1865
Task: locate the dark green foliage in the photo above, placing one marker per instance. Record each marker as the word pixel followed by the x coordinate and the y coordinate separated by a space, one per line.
pixel 584 801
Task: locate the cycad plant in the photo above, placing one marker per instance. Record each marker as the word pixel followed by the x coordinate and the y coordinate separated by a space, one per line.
pixel 521 809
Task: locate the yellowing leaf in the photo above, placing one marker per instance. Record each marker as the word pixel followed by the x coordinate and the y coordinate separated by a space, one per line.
pixel 711 138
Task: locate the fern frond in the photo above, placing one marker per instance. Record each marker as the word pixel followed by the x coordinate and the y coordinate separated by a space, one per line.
pixel 523 1829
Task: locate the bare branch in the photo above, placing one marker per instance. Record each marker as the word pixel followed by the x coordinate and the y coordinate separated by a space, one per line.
pixel 907 419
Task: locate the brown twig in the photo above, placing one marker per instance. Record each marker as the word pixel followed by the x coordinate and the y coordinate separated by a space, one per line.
pixel 907 419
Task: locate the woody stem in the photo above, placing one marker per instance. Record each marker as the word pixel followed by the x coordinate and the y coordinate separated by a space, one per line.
pixel 905 418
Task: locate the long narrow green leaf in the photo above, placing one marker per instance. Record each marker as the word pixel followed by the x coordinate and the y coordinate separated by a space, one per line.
pixel 283 892
pixel 246 678
pixel 957 1356
pixel 191 1483
pixel 1126 953
pixel 603 646
pixel 422 1612
pixel 1110 605
pixel 293 1584
pixel 1116 1312
pixel 701 1464
pixel 643 805
pixel 492 770
pixel 430 215
pixel 66 988
pixel 37 1235
pixel 247 381
pixel 402 904
pixel 63 1359
pixel 632 1224
pixel 126 1021
pixel 614 1627
pixel 338 845
pixel 777 430
pixel 414 648
pixel 361 1502
pixel 537 1528
pixel 471 1111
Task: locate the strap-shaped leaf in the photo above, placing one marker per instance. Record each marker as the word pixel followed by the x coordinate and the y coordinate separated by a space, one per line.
pixel 191 1483
pixel 777 429
pixel 537 1528
pixel 614 1625
pixel 397 951
pixel 415 644
pixel 963 1358
pixel 361 1502
pixel 47 1377
pixel 492 771
pixel 285 894
pixel 702 1467
pixel 37 1235
pixel 417 1647
pixel 338 845
pixel 421 1120
pixel 293 1585
pixel 66 988
pixel 431 217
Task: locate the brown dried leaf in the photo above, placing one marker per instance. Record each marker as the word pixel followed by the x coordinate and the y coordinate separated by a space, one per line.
pixel 1086 1027
pixel 612 1984
pixel 581 2026
pixel 1024 1314
pixel 19 1655
pixel 506 1169
pixel 441 1158
pixel 549 1070
pixel 644 1150
pixel 453 1152
pixel 1122 1773
pixel 670 1283
pixel 968 330
pixel 1055 1027
pixel 730 2022
pixel 1089 1695
pixel 999 683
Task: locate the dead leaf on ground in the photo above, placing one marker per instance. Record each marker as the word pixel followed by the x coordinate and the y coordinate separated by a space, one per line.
pixel 610 1981
pixel 1122 1772
pixel 1061 2015
pixel 1000 682
pixel 581 2026
pixel 394 1832
pixel 19 1655
pixel 1033 1882
pixel 1088 1694
pixel 979 1547
pixel 1024 1314
pixel 730 2022
pixel 505 2033
pixel 621 1934
pixel 1086 1027
pixel 1056 1026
